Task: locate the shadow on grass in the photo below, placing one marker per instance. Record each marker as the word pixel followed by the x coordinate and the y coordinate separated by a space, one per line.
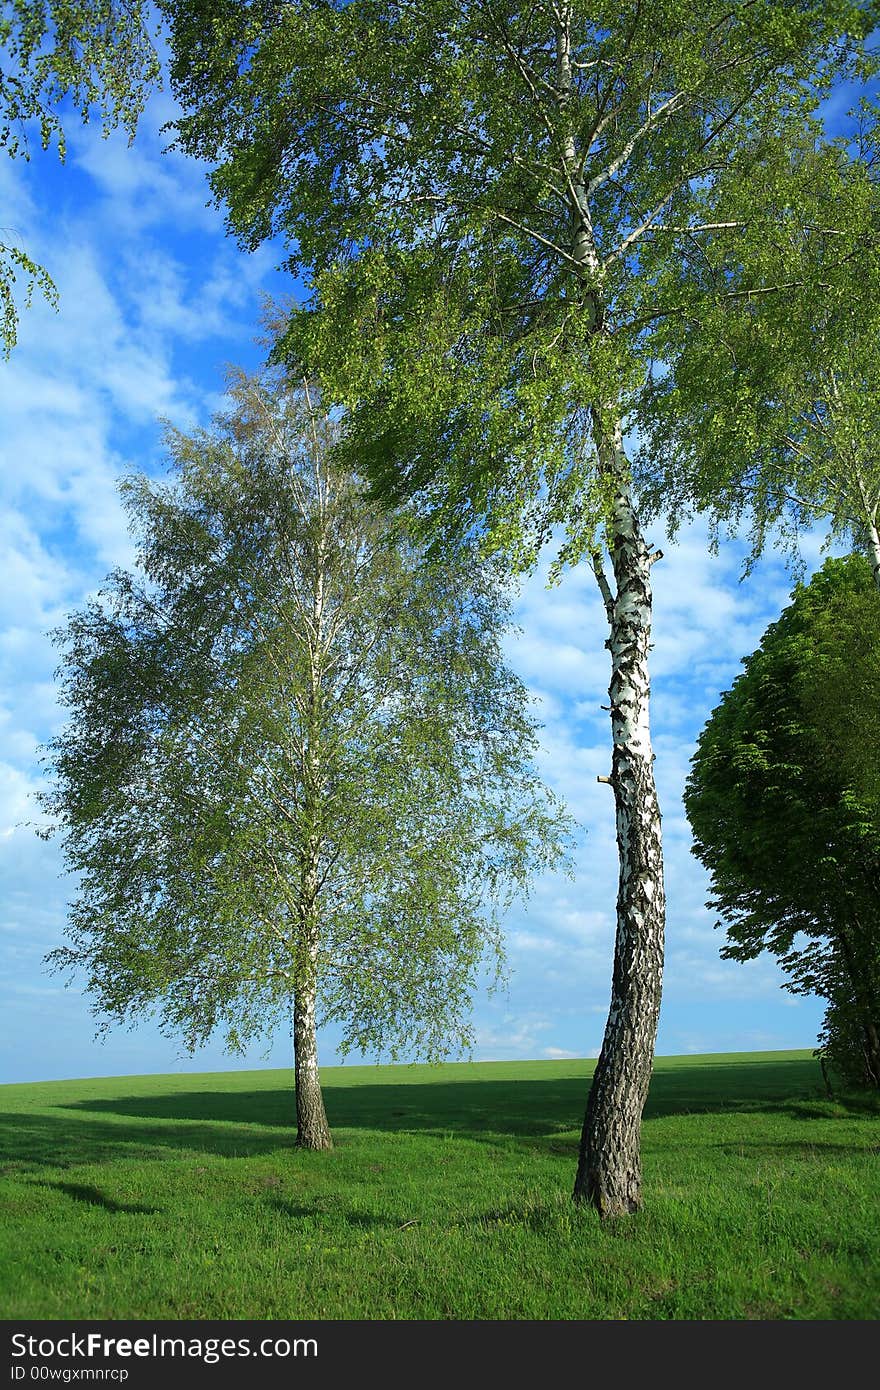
pixel 533 1113
pixel 93 1197
pixel 60 1140
pixel 363 1220
pixel 792 1148
pixel 525 1108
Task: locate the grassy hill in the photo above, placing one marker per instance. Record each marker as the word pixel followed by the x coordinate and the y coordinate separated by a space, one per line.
pixel 447 1196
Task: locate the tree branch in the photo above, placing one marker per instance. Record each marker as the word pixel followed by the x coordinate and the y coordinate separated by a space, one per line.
pixel 602 581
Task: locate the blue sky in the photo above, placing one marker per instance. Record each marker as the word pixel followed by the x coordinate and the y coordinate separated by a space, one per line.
pixel 155 300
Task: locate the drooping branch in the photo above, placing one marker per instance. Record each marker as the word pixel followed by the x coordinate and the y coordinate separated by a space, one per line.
pixel 604 586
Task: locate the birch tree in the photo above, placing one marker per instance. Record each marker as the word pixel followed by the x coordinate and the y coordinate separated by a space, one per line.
pixel 484 197
pixel 296 781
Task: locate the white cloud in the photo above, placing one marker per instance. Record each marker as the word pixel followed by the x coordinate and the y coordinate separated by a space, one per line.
pixel 147 281
pixel 16 791
pixel 139 186
pixel 514 1035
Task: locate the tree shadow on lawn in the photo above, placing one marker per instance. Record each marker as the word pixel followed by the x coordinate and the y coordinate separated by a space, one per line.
pixel 524 1108
pixel 531 1114
pixel 60 1140
pixel 94 1197
pixel 363 1220
pixel 542 1115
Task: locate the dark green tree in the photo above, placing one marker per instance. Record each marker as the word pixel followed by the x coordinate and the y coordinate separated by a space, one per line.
pixel 96 55
pixel 784 802
pixel 296 779
pixel 487 200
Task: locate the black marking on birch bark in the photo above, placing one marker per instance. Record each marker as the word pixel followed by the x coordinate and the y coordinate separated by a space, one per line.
pixel 609 1171
pixel 609 1168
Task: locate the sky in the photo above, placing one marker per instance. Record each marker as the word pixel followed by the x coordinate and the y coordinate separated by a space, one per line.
pixel 155 301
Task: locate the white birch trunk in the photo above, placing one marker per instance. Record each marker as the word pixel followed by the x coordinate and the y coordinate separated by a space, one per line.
pixel 871 518
pixel 312 1129
pixel 874 542
pixel 609 1166
pixel 313 1132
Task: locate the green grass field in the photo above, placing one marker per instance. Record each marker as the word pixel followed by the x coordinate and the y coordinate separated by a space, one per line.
pixel 447 1196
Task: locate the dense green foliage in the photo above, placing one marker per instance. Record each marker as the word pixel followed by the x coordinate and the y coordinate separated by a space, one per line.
pixel 767 414
pixel 95 55
pixel 784 802
pixel 182 1197
pixel 495 206
pixel 295 760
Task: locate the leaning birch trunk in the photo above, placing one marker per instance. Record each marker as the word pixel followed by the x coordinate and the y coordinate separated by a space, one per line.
pixel 609 1167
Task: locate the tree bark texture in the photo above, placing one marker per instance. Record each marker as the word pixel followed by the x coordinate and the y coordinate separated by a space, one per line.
pixel 609 1167
pixel 874 542
pixel 312 1130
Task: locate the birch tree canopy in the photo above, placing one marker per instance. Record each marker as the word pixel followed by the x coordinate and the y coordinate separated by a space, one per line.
pixel 296 783
pixel 487 197
pixel 767 418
